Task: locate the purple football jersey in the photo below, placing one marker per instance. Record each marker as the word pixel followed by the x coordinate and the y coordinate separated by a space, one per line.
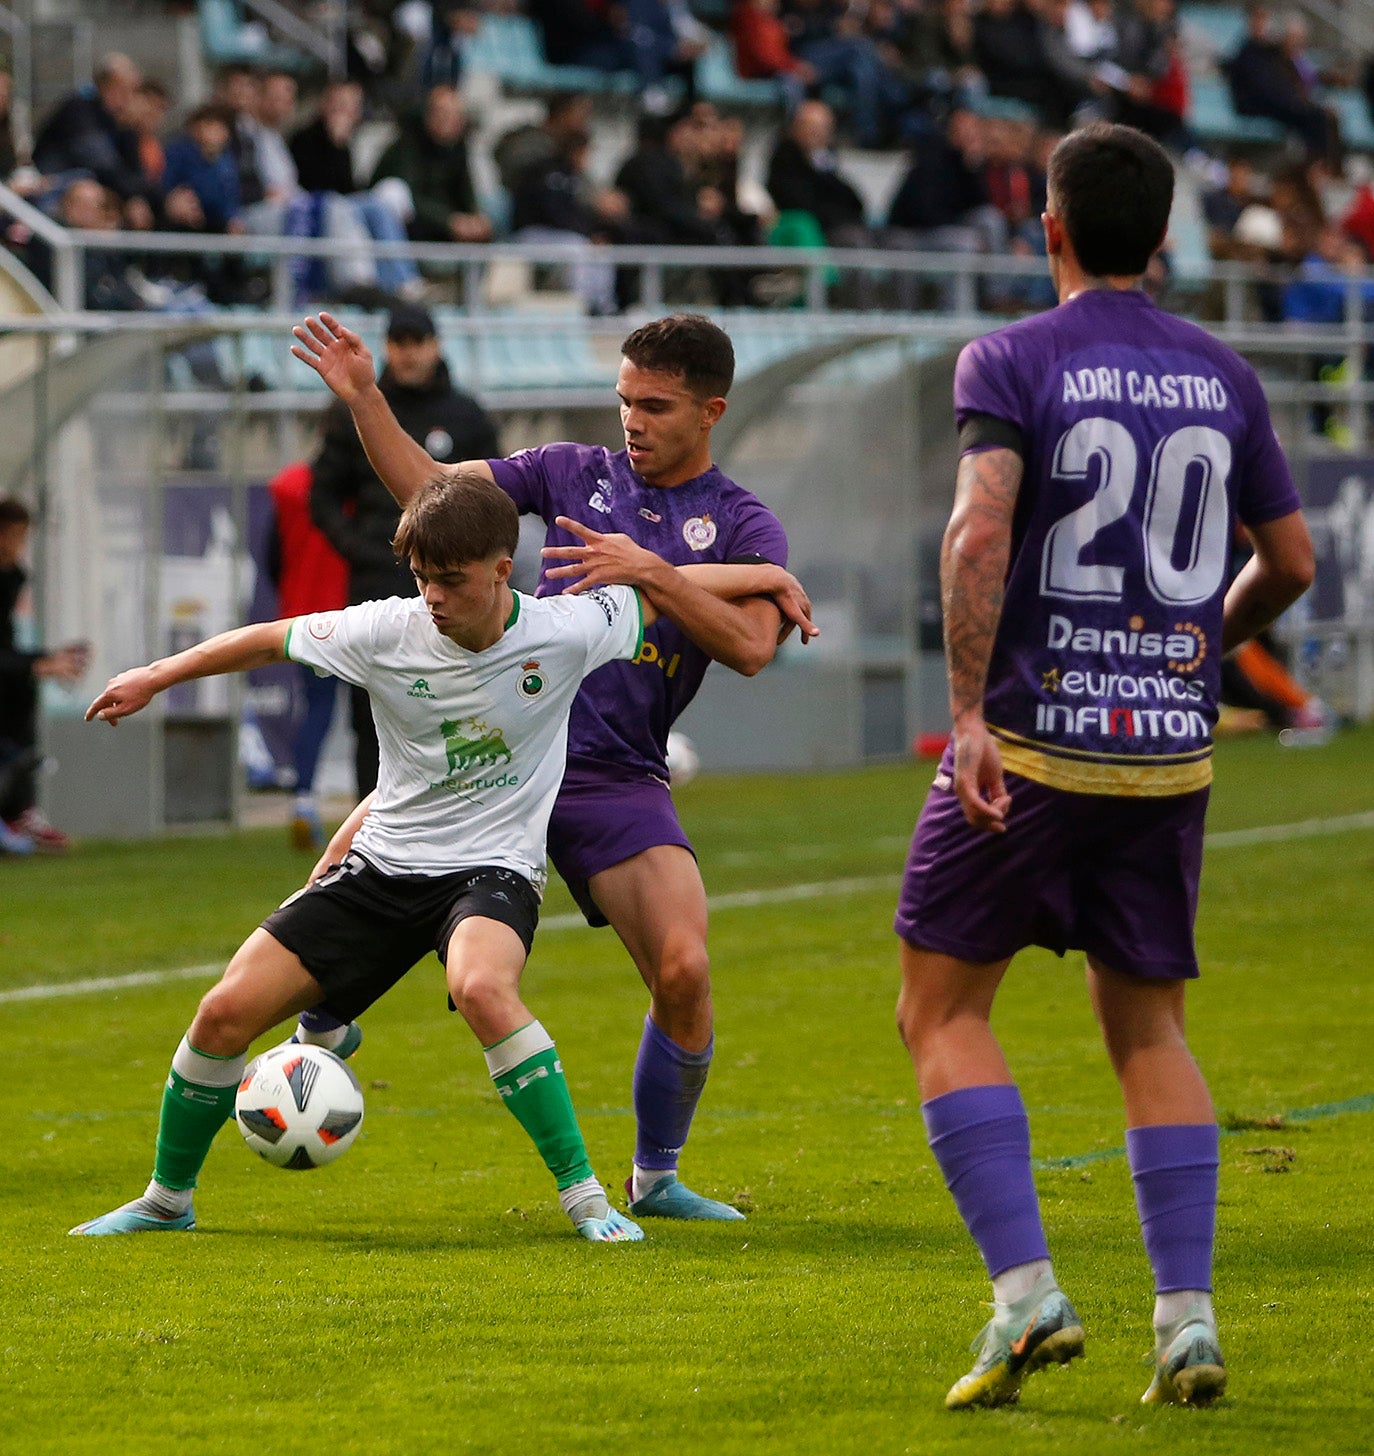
pixel 621 717
pixel 1144 440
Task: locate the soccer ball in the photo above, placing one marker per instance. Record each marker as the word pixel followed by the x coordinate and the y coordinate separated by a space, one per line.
pixel 683 760
pixel 299 1106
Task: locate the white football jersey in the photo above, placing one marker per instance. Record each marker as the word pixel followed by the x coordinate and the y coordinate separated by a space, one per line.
pixel 472 744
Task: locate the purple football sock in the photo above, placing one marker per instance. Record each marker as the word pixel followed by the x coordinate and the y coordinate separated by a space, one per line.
pixel 317 1019
pixel 1174 1168
pixel 981 1139
pixel 668 1083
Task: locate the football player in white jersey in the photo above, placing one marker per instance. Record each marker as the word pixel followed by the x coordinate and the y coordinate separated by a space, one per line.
pixel 471 685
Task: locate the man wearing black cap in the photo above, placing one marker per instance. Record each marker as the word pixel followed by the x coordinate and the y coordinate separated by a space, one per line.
pixel 352 506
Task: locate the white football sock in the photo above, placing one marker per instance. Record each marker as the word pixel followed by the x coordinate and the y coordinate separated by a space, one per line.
pixel 1018 1281
pixel 1178 1303
pixel 584 1200
pixel 643 1181
pixel 167 1202
pixel 330 1040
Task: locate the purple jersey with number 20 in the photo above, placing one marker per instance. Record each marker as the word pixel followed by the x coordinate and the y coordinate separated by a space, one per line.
pixel 621 717
pixel 1144 440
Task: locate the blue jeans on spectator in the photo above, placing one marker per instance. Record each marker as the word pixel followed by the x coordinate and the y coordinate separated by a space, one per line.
pixel 852 62
pixel 384 226
pixel 321 694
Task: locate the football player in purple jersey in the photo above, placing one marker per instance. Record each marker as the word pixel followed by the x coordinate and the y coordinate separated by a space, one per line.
pixel 615 836
pixel 1108 450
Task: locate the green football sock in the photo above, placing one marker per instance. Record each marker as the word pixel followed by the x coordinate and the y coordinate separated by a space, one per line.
pixel 196 1102
pixel 529 1077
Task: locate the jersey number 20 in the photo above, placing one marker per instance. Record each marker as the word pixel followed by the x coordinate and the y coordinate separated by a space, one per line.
pixel 1202 542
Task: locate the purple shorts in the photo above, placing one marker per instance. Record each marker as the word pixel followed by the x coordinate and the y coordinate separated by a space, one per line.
pixel 1115 877
pixel 598 823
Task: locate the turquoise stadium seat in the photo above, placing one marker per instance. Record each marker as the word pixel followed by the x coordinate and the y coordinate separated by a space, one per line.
pixel 222 40
pixel 1357 126
pixel 1221 26
pixel 507 47
pixel 1213 117
pixel 555 355
pixel 718 82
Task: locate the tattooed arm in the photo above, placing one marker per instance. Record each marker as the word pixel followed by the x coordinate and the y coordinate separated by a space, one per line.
pixel 973 570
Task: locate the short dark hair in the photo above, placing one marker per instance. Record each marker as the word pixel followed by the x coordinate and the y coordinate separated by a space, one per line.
pixel 13 512
pixel 456 519
pixel 689 345
pixel 1112 187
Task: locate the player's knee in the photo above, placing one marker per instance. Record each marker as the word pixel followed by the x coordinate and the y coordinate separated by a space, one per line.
pixel 222 1024
pixel 477 992
pixel 683 974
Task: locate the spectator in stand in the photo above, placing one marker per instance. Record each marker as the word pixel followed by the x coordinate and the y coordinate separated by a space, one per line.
pixel 86 206
pixel 536 145
pixel 147 117
pixel 1223 207
pixel 830 39
pixel 558 203
pixel 1319 293
pixel 200 160
pixel 575 33
pixel 1090 26
pixel 1153 94
pixel 430 155
pixel 1266 81
pixel 1358 220
pixel 762 51
pixel 355 510
pixel 663 199
pixel 89 133
pixel 238 89
pixel 23 828
pixel 1010 54
pixel 804 181
pixel 1077 89
pixel 715 163
pixel 322 151
pixel 942 203
pixel 442 61
pixel 941 53
pixel 310 576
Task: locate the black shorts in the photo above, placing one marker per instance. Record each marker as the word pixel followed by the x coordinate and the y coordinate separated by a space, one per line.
pixel 358 931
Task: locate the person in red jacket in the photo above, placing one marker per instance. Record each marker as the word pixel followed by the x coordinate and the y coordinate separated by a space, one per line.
pixel 310 576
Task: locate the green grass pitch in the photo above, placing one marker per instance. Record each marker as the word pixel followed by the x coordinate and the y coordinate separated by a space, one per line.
pixel 426 1295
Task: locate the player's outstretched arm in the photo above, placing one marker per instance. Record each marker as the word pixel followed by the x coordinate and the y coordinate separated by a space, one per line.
pixel 973 571
pixel 345 364
pixel 743 634
pixel 236 651
pixel 342 841
pixel 1269 583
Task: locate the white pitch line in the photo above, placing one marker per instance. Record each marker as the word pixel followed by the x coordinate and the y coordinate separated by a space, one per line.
pixel 738 900
pixel 1301 829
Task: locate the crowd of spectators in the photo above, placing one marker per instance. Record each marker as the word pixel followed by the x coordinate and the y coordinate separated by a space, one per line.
pixel 974 93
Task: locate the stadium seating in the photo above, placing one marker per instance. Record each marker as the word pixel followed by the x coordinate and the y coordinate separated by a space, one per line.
pixel 717 81
pixel 507 47
pixel 226 38
pixel 1213 116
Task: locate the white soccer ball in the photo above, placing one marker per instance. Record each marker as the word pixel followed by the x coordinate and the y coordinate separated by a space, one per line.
pixel 683 760
pixel 299 1106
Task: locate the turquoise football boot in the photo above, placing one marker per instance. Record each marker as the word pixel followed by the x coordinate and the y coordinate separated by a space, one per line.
pixel 1189 1369
pixel 1020 1338
pixel 670 1199
pixel 138 1217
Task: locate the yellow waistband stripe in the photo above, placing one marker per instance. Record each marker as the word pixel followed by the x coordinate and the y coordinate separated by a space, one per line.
pixel 1127 778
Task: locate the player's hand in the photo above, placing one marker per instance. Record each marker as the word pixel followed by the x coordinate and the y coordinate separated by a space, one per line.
pixel 336 354
pixel 978 777
pixel 791 600
pixel 604 559
pixel 124 695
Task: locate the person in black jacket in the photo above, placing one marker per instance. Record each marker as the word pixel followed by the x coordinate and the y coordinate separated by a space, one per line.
pixel 352 506
pixel 803 177
pixel 22 827
pixel 1265 82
